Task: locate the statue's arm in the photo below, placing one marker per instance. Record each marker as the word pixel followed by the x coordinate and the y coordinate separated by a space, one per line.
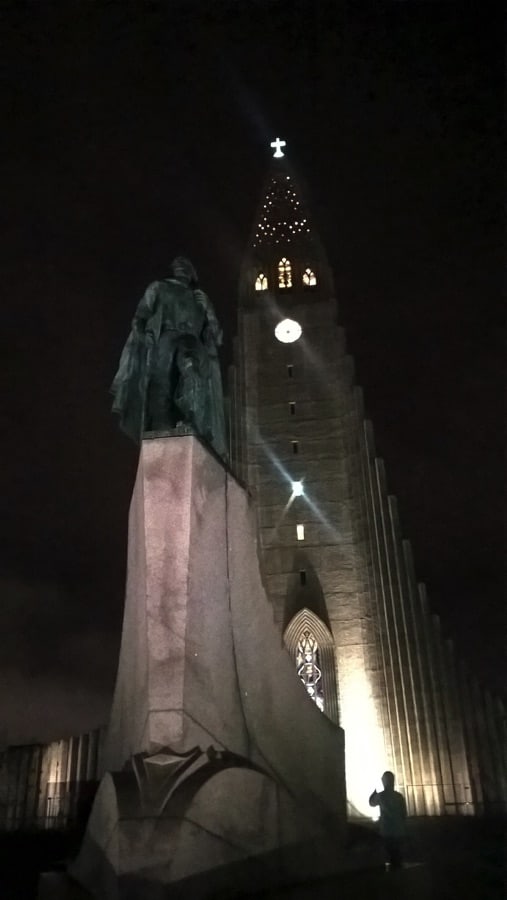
pixel 145 310
pixel 212 332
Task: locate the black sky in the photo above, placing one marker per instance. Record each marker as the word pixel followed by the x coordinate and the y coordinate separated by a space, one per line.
pixel 135 131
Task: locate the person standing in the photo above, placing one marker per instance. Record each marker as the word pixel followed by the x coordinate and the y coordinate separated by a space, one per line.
pixel 393 816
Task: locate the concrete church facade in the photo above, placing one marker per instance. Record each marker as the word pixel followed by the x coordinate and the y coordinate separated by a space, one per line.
pixel 339 577
pixel 337 571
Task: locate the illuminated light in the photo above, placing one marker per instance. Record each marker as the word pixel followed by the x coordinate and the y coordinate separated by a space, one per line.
pixel 284 273
pixel 277 145
pixel 287 331
pixel 365 758
pixel 297 489
pixel 300 531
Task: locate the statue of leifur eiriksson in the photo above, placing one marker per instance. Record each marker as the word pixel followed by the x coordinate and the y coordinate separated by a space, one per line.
pixel 169 373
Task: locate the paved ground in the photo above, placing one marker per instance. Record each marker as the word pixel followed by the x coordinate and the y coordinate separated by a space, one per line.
pixel 447 859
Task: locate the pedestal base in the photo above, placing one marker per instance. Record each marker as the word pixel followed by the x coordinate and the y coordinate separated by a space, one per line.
pixel 215 758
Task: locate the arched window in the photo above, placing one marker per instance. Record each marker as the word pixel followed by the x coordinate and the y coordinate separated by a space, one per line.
pixel 308 668
pixel 284 273
pixel 261 282
pixel 311 647
pixel 309 279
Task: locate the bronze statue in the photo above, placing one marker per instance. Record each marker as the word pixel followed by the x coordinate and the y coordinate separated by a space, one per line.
pixel 169 374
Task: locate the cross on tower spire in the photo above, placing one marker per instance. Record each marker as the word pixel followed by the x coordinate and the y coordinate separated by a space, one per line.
pixel 278 144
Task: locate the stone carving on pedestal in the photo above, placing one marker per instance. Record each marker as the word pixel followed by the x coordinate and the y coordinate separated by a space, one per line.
pixel 160 775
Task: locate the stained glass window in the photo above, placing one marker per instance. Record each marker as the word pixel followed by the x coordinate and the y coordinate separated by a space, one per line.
pixel 261 282
pixel 309 278
pixel 284 273
pixel 308 667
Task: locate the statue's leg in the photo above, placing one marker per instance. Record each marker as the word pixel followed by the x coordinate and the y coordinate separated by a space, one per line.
pixel 189 396
pixel 159 411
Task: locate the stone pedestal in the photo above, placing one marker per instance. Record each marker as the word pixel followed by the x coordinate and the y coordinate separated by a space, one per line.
pixel 214 755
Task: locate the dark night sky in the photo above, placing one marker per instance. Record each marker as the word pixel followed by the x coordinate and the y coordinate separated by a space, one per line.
pixel 135 131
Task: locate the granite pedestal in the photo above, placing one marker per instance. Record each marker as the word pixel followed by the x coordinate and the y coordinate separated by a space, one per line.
pixel 216 764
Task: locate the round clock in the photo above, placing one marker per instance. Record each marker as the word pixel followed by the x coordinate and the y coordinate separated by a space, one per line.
pixel 287 331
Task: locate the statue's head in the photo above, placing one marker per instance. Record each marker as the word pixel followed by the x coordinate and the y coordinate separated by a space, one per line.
pixel 183 270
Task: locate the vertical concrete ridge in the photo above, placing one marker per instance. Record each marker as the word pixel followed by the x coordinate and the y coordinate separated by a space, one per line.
pixel 457 735
pixel 416 798
pixel 432 779
pixel 472 738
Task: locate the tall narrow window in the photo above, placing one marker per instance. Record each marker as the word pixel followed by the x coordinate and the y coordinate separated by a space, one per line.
pixel 302 577
pixel 292 408
pixel 295 446
pixel 308 667
pixel 261 282
pixel 311 646
pixel 284 273
pixel 300 532
pixel 290 371
pixel 309 279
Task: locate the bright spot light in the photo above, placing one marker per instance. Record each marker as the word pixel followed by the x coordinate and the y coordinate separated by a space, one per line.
pixel 287 331
pixel 297 488
pixel 365 758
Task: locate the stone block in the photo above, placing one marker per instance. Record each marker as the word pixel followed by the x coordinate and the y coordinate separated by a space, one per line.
pixel 190 677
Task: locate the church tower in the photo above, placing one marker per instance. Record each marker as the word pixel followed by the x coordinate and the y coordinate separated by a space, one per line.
pixel 338 574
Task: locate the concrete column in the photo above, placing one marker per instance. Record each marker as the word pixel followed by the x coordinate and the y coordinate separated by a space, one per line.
pixel 486 761
pixel 392 739
pixel 457 731
pixel 382 693
pixel 411 693
pixel 497 756
pixel 469 723
pixel 406 774
pixel 501 721
pixel 432 638
pixel 432 776
pixel 94 738
pixel 452 730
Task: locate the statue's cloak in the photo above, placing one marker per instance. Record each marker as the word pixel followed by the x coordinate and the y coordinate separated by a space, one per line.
pixel 169 323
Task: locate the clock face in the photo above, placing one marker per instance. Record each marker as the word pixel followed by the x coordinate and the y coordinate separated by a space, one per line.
pixel 287 331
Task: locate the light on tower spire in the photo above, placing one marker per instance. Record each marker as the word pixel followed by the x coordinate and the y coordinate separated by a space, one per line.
pixel 278 144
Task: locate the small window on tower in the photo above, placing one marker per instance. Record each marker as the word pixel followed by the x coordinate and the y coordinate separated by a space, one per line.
pixel 290 371
pixel 292 408
pixel 309 279
pixel 284 273
pixel 295 446
pixel 300 532
pixel 261 282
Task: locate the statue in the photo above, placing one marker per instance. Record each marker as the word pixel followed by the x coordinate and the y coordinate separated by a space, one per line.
pixel 169 374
